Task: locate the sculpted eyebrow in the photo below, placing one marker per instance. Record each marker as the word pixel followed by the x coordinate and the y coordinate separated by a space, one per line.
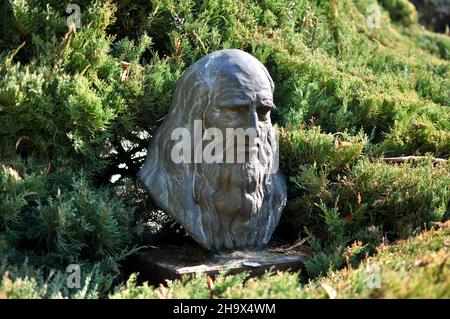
pixel 235 101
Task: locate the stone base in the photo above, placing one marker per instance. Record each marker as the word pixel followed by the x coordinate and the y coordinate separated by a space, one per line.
pixel 158 264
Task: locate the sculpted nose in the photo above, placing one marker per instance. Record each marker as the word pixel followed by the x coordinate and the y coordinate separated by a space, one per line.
pixel 254 121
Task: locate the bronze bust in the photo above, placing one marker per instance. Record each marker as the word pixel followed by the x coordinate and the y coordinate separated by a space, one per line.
pixel 226 196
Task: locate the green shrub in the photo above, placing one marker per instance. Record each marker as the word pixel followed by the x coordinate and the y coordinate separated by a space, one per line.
pixel 300 147
pixel 78 107
pixel 370 201
pixel 72 222
pixel 416 268
pixel 26 281
pixel 401 10
pixel 53 220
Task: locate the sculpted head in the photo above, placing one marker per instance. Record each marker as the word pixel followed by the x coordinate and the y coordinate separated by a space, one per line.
pixel 212 164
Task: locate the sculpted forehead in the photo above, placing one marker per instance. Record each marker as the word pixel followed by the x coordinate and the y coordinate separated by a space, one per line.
pixel 241 73
pixel 236 97
pixel 223 78
pixel 241 87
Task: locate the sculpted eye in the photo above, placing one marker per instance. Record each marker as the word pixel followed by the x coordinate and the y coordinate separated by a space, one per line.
pixel 234 108
pixel 230 111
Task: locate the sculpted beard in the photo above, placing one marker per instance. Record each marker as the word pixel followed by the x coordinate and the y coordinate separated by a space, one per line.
pixel 236 189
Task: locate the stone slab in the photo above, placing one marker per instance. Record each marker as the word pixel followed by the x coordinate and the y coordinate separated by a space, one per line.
pixel 155 265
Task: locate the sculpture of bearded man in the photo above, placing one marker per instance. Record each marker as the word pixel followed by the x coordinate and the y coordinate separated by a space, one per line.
pixel 223 204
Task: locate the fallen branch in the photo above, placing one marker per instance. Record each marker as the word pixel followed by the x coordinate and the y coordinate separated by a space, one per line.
pixel 297 249
pixel 403 159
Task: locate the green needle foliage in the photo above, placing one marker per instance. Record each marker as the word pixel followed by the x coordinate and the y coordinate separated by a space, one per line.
pixel 78 107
